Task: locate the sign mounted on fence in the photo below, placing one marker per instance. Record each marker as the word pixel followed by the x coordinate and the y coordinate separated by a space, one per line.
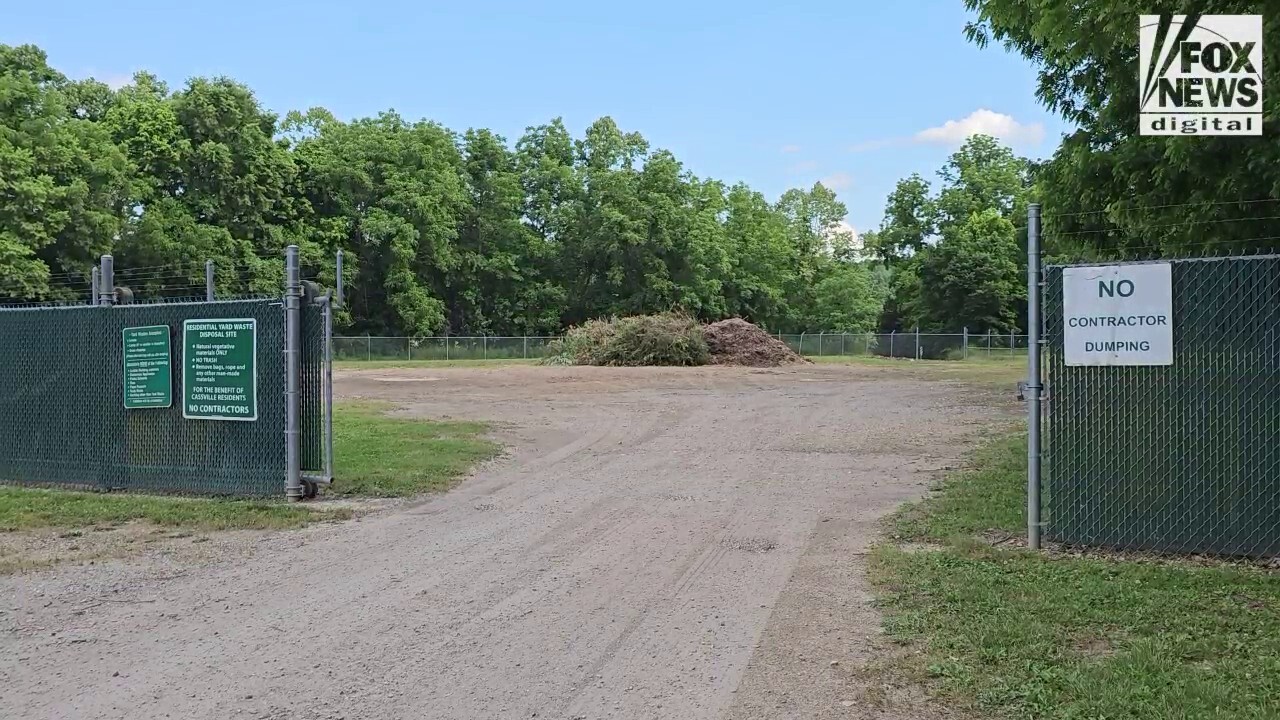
pixel 1118 314
pixel 220 369
pixel 148 373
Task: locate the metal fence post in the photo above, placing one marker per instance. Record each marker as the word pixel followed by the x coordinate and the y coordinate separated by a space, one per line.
pixel 966 342
pixel 93 286
pixel 484 339
pixel 328 388
pixel 368 348
pixel 892 334
pixel 1033 376
pixel 106 281
pixel 917 356
pixel 842 344
pixel 409 342
pixel 524 355
pixel 338 279
pixel 208 280
pixel 1011 343
pixel 293 365
pixel 988 342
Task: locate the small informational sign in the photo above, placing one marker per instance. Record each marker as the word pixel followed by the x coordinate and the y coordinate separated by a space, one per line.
pixel 219 369
pixel 1118 314
pixel 148 373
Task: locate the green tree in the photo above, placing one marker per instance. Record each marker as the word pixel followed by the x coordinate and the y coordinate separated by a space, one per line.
pixel 209 182
pixel 63 182
pixel 849 299
pixel 441 232
pixel 910 219
pixel 1109 189
pixel 762 263
pixel 502 283
pixel 982 175
pixel 929 241
pixel 971 278
pixel 393 196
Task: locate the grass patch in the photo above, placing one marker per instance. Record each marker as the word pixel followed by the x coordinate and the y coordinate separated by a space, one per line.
pixel 990 495
pixel 386 456
pixel 376 454
pixel 994 370
pixel 34 508
pixel 1018 634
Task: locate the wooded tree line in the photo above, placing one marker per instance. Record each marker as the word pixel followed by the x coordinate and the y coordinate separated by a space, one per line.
pixel 460 233
pixel 442 231
pixel 469 233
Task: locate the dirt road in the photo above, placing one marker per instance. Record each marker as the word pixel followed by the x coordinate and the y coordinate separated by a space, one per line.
pixel 659 543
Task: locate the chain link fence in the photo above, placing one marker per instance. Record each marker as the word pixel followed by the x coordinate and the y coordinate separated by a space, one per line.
pixel 922 346
pixel 97 396
pixel 1181 458
pixel 63 419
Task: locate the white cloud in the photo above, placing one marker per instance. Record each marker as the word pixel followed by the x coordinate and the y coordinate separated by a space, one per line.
pixel 790 148
pixel 117 81
pixel 842 234
pixel 982 122
pixel 804 166
pixel 844 228
pixel 954 132
pixel 875 145
pixel 837 181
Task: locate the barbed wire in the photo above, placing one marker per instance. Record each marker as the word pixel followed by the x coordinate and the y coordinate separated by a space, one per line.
pixel 1185 223
pixel 1145 208
pixel 1181 245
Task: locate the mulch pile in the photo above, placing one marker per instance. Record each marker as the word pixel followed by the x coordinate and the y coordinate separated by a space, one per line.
pixel 738 342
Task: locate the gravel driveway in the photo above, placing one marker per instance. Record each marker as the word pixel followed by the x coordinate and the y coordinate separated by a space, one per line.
pixel 658 543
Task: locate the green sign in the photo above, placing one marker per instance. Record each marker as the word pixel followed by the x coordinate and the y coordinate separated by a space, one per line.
pixel 148 374
pixel 220 369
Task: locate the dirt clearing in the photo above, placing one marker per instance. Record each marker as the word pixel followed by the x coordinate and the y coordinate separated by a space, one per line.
pixel 658 543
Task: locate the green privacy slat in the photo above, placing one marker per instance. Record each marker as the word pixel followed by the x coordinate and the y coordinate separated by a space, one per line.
pixel 63 419
pixel 1182 458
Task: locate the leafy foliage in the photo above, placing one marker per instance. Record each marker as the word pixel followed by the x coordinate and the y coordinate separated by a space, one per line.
pixel 955 258
pixel 443 232
pixel 1109 191
pixel 662 339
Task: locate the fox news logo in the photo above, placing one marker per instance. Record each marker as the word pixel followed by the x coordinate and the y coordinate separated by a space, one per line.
pixel 1200 74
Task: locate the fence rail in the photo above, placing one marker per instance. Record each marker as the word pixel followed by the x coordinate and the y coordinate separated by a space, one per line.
pixel 923 346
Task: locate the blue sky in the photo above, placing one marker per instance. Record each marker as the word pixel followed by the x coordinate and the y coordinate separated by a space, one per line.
pixel 859 94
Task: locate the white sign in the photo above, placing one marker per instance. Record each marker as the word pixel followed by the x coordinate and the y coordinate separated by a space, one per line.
pixel 1118 314
pixel 1200 76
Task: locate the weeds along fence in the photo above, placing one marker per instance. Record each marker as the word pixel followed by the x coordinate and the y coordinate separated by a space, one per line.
pixel 213 397
pixel 923 346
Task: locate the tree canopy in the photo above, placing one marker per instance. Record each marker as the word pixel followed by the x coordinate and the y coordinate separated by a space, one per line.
pixel 443 231
pixel 956 256
pixel 1115 193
